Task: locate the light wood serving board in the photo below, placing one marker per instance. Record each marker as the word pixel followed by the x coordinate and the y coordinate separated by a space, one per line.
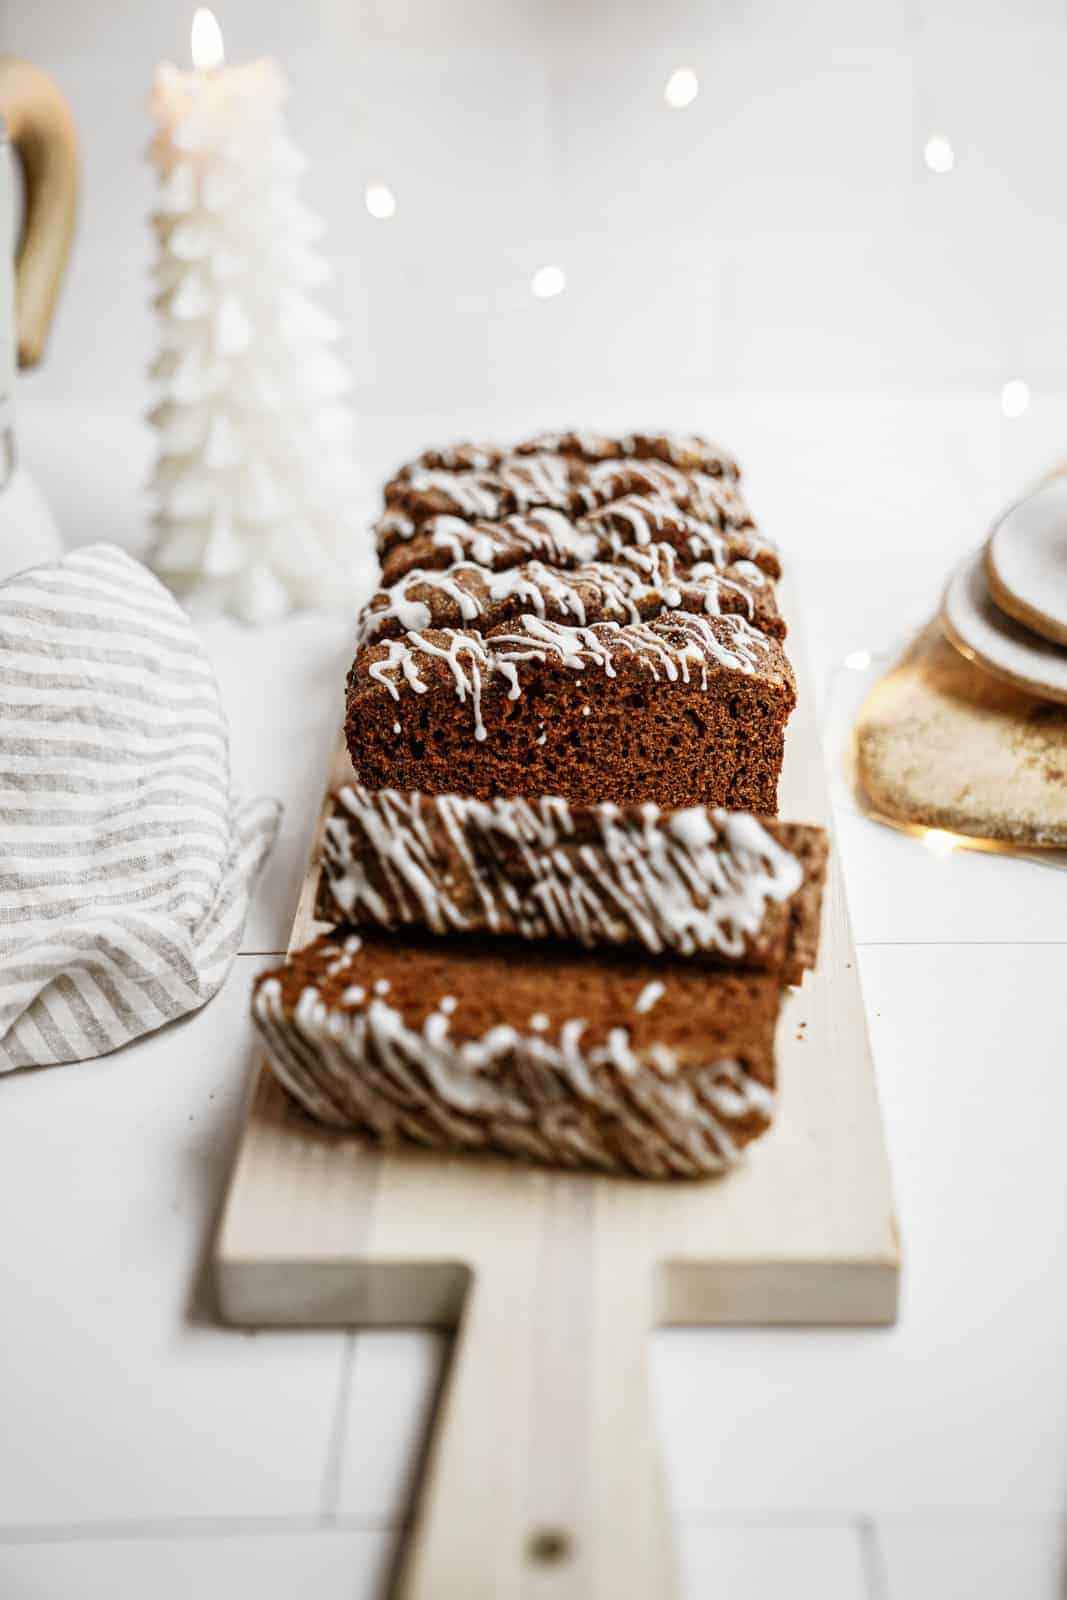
pixel 542 1479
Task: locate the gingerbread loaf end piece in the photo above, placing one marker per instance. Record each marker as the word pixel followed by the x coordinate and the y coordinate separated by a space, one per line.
pixel 608 1062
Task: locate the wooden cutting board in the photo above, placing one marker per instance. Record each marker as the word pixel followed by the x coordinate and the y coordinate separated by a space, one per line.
pixel 542 1478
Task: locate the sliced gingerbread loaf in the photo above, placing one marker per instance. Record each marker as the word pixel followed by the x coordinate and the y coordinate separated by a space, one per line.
pixel 709 535
pixel 606 1061
pixel 737 889
pixel 519 484
pixel 685 710
pixel 638 585
pixel 687 450
pixel 443 540
pixel 631 523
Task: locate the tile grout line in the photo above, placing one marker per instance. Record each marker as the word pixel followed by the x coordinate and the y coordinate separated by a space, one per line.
pixel 333 1467
pixel 161 1528
pixel 773 1517
pixel 872 1559
pixel 147 1529
pixel 956 944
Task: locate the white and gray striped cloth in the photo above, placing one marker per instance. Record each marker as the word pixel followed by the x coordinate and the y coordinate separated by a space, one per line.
pixel 126 865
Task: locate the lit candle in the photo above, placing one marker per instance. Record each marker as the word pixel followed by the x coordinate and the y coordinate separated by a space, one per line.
pixel 254 480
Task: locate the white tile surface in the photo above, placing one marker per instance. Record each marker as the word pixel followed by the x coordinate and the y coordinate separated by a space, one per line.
pixel 767 1562
pixel 395 1382
pixel 119 1398
pixel 962 1407
pixel 973 1561
pixel 900 892
pixel 338 1565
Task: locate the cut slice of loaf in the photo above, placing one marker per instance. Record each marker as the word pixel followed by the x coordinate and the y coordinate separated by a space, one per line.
pixel 687 450
pixel 621 1064
pixel 685 710
pixel 629 524
pixel 734 888
pixel 638 585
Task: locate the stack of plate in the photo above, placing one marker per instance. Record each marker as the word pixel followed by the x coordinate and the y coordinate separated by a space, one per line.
pixel 1006 607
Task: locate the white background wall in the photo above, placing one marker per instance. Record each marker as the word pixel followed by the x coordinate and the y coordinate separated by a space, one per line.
pixel 781 235
pixel 774 264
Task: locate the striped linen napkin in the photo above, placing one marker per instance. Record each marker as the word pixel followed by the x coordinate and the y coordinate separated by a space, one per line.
pixel 126 864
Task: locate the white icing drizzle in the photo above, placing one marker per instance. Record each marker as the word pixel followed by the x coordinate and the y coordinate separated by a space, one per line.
pixel 473 494
pixel 688 450
pixel 511 483
pixel 392 526
pixel 370 1069
pixel 581 441
pixel 682 449
pixel 538 480
pixel 693 880
pixel 647 519
pixel 608 480
pixel 544 534
pixel 614 590
pixel 467 457
pixel 678 647
pixel 649 995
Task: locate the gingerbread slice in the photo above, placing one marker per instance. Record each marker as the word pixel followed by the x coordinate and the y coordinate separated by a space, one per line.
pixel 640 584
pixel 737 889
pixel 611 1062
pixel 630 523
pixel 685 710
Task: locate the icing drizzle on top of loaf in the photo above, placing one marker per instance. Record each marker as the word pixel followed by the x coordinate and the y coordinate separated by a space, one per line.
pixel 693 881
pixel 638 583
pixel 680 647
pixel 502 1087
pixel 688 450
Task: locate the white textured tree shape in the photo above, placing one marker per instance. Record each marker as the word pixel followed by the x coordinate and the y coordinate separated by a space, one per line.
pixel 254 485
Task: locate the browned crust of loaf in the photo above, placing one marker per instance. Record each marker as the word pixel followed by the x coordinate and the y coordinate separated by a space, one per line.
pixel 787 942
pixel 811 846
pixel 514 483
pixel 703 1017
pixel 688 450
pixel 495 545
pixel 736 595
pixel 599 537
pixel 566 484
pixel 628 739
pixel 719 519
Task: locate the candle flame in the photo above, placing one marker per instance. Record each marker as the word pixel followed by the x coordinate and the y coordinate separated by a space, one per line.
pixel 206 41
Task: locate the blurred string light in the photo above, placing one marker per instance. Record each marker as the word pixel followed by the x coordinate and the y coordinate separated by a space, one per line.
pixel 547 282
pixel 939 154
pixel 681 88
pixel 858 660
pixel 1015 397
pixel 380 201
pixel 940 843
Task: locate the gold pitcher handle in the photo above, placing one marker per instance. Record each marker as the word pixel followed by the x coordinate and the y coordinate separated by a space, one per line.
pixel 41 130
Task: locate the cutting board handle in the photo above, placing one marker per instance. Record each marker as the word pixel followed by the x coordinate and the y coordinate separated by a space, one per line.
pixel 543 1476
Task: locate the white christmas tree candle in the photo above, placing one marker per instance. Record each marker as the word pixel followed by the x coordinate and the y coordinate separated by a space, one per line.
pixel 254 484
